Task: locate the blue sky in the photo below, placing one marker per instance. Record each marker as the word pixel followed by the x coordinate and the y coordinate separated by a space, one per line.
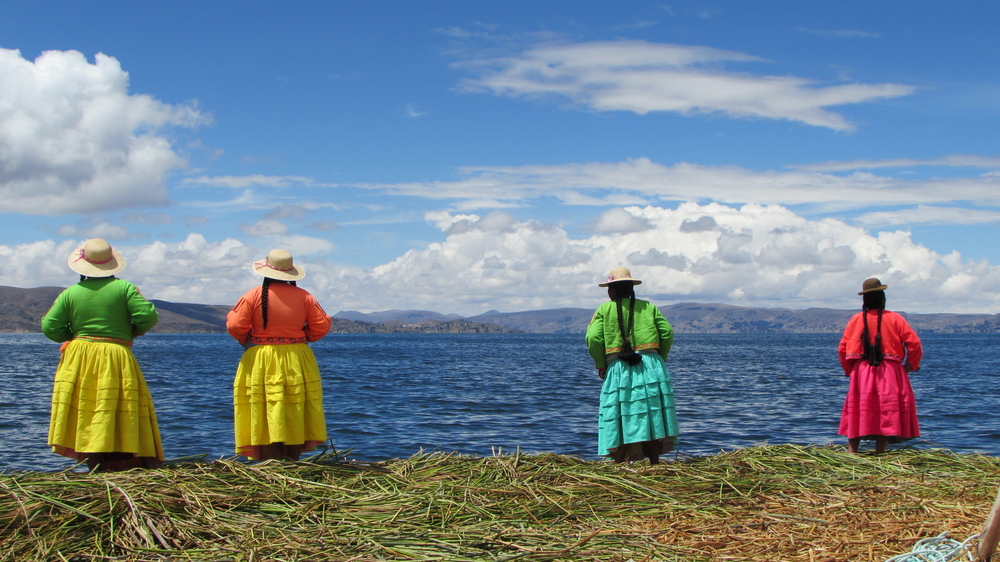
pixel 468 156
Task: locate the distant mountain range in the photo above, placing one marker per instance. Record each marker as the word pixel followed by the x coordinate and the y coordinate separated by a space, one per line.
pixel 21 310
pixel 719 319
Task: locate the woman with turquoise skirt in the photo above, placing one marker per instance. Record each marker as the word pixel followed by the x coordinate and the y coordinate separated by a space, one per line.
pixel 629 340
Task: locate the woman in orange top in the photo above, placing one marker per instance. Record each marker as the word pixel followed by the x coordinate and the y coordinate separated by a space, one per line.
pixel 277 393
pixel 877 351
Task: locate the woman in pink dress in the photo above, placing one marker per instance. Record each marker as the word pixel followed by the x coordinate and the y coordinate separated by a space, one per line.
pixel 877 352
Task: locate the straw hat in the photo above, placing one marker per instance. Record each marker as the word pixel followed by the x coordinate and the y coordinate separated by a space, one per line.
pixel 619 274
pixel 96 258
pixel 872 285
pixel 278 265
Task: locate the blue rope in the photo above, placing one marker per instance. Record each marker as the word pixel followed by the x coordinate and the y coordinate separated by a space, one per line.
pixel 938 549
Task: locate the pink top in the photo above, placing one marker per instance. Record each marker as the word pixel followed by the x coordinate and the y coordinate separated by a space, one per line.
pixel 899 341
pixel 293 316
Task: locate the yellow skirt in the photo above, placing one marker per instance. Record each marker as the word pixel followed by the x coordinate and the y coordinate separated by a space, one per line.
pixel 101 404
pixel 278 398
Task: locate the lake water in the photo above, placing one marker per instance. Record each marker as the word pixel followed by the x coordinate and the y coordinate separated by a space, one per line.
pixel 389 396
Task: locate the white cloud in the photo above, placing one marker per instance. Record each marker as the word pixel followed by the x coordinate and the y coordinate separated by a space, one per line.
pixel 241 182
pixel 620 221
pixel 756 255
pixel 73 140
pixel 266 227
pixel 37 264
pixel 958 160
pixel 103 230
pixel 282 212
pixel 760 255
pixel 324 226
pixel 641 181
pixel 147 218
pixel 840 32
pixel 275 234
pixel 926 214
pixel 302 245
pixel 641 77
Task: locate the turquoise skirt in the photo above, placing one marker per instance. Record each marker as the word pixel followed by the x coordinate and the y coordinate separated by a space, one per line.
pixel 637 404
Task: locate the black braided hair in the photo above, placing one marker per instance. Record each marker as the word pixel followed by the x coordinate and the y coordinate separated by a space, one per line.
pixel 872 352
pixel 263 299
pixel 627 354
pixel 263 295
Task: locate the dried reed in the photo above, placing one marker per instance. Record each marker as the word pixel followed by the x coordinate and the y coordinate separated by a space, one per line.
pixel 785 502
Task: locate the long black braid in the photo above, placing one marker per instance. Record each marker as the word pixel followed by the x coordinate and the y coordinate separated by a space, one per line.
pixel 627 354
pixel 263 295
pixel 872 352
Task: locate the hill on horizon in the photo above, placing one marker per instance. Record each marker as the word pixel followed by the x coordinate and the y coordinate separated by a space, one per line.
pixel 21 310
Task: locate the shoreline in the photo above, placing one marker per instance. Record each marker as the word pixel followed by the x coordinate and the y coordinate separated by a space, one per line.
pixel 768 502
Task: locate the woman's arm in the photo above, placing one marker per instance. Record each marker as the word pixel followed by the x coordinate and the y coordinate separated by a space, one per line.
pixel 317 320
pixel 144 315
pixel 239 320
pixel 56 322
pixel 914 349
pixel 595 340
pixel 665 331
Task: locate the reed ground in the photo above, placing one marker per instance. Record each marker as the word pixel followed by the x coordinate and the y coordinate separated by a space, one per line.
pixel 773 503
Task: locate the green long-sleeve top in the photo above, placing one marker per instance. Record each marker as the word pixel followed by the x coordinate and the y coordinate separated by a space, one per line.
pixel 101 307
pixel 650 331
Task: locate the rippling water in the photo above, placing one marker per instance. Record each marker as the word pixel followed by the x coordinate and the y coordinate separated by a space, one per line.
pixel 390 395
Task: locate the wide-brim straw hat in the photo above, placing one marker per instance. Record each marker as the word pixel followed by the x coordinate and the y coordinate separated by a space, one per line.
pixel 278 265
pixel 619 274
pixel 96 258
pixel 872 285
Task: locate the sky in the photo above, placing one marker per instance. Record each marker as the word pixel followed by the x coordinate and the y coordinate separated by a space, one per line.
pixel 463 156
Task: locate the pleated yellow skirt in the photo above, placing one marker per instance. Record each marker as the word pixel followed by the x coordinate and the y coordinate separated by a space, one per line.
pixel 278 398
pixel 101 404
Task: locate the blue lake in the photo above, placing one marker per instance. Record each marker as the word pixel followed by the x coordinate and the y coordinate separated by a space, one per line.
pixel 389 396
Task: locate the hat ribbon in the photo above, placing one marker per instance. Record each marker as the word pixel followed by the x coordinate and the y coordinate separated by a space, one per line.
pixel 83 256
pixel 267 264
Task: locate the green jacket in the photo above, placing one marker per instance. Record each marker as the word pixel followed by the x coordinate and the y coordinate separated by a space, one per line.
pixel 650 331
pixel 99 306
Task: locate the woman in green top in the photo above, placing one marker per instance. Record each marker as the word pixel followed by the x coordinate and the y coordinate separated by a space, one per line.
pixel 629 340
pixel 102 412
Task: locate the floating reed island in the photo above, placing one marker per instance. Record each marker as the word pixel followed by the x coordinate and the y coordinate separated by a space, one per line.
pixel 774 503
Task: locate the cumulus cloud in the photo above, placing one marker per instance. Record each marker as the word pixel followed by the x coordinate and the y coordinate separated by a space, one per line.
pixel 642 77
pixel 758 255
pixel 654 257
pixel 73 140
pixel 641 181
pixel 700 225
pixel 619 221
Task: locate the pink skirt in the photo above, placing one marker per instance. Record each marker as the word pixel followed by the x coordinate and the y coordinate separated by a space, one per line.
pixel 879 402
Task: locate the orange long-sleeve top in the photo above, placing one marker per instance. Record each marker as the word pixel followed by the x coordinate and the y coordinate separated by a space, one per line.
pixel 899 341
pixel 293 316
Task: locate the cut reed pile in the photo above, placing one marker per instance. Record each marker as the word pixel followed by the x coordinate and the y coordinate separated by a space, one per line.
pixel 784 503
